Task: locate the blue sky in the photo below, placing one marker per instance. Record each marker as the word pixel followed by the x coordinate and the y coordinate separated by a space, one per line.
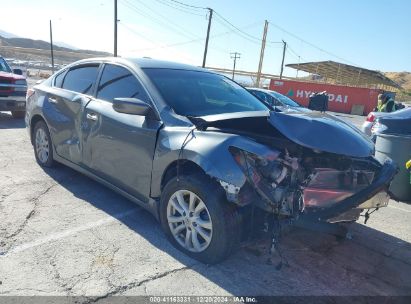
pixel 374 34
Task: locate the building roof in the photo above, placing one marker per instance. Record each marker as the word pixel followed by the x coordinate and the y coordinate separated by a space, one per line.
pixel 340 73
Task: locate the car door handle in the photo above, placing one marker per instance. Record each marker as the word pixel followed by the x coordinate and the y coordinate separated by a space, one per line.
pixel 52 100
pixel 91 116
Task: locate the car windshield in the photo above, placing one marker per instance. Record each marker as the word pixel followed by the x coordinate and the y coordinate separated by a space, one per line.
pixel 284 99
pixel 194 93
pixel 4 67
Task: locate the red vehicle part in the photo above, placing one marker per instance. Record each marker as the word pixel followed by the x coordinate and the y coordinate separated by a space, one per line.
pixel 341 98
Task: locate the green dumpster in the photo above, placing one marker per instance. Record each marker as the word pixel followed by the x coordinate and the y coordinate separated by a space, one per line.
pixel 398 148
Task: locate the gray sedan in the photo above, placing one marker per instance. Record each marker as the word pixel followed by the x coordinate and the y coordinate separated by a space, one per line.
pixel 206 157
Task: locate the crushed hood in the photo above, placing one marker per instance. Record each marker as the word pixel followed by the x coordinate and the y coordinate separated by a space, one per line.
pixel 314 130
pixel 321 131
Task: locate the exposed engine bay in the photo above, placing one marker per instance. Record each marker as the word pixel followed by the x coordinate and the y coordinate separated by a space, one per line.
pixel 289 186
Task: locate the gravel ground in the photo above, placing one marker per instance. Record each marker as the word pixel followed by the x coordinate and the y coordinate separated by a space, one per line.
pixel 61 233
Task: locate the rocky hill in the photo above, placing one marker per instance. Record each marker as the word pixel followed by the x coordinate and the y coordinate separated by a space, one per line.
pixel 44 45
pixel 39 50
pixel 402 78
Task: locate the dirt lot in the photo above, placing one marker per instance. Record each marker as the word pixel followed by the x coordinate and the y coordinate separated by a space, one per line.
pixel 63 234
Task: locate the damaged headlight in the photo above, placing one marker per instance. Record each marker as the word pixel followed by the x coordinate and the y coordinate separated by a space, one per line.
pixel 274 176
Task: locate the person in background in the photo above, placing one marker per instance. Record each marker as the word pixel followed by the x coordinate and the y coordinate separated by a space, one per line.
pixel 387 103
pixel 379 102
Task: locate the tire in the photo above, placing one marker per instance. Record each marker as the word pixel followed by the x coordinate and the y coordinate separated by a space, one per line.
pixel 43 147
pixel 18 114
pixel 223 218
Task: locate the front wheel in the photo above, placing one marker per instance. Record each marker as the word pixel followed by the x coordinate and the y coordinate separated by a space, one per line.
pixel 198 220
pixel 43 149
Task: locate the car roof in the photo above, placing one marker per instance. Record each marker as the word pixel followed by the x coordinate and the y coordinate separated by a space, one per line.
pixel 261 90
pixel 270 92
pixel 144 63
pixel 161 64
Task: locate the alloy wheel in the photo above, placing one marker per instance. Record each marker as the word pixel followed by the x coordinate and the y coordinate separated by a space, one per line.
pixel 42 145
pixel 189 221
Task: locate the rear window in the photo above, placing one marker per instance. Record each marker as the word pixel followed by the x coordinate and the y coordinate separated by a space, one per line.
pixel 81 79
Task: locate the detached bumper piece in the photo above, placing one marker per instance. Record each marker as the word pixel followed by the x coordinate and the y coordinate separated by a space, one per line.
pixel 369 197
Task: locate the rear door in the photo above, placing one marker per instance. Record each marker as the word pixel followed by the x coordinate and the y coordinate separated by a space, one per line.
pixel 119 147
pixel 63 108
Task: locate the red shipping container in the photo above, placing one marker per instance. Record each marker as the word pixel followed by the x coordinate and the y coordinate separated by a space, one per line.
pixel 341 98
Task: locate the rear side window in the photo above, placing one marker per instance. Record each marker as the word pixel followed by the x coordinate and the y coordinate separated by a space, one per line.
pixel 117 82
pixel 81 79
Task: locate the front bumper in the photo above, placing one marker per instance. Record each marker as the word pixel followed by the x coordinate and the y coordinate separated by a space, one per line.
pixel 13 103
pixel 366 198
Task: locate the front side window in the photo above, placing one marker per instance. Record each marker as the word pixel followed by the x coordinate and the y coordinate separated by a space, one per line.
pixel 118 82
pixel 81 79
pixel 194 93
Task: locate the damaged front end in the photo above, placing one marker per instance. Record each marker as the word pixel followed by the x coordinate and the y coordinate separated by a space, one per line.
pixel 303 165
pixel 318 186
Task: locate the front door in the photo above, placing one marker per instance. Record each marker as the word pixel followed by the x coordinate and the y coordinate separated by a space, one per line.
pixel 119 147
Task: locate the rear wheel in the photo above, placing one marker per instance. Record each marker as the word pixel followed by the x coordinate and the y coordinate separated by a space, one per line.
pixel 198 220
pixel 18 114
pixel 43 149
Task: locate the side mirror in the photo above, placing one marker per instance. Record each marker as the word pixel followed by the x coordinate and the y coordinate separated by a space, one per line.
pixel 17 71
pixel 131 106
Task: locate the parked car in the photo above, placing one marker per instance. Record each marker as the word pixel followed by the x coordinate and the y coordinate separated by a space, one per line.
pixel 199 151
pixel 13 88
pixel 395 123
pixel 373 117
pixel 275 99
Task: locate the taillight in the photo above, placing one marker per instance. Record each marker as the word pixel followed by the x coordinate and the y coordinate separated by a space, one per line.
pixel 29 93
pixel 371 117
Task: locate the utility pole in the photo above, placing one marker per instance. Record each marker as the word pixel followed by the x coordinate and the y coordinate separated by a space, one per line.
pixel 234 56
pixel 51 49
pixel 208 36
pixel 282 62
pixel 260 65
pixel 115 28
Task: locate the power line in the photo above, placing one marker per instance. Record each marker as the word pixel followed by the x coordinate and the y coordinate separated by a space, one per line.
pixel 144 37
pixel 195 40
pixel 292 52
pixel 169 22
pixel 255 39
pixel 235 30
pixel 311 44
pixel 188 5
pixel 179 8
